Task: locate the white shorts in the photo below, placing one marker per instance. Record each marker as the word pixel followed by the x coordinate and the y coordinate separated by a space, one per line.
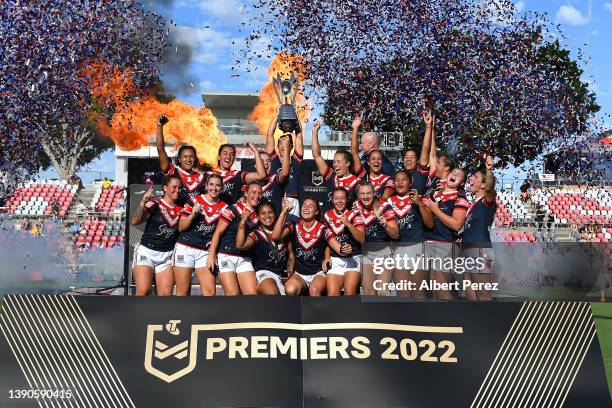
pixel 309 278
pixel 157 260
pixel 339 266
pixel 233 263
pixel 263 275
pixel 189 257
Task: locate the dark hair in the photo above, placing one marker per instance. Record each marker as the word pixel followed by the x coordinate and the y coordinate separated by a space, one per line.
pixel 167 179
pixel 182 149
pixel 482 171
pixel 449 161
pixel 374 151
pixel 263 204
pixel 406 172
pixel 311 198
pixel 410 148
pixel 213 175
pixel 223 146
pixel 462 170
pixel 348 157
pixel 366 184
pixel 339 189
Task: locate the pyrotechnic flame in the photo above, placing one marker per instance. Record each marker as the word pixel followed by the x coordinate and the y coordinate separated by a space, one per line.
pixel 264 111
pixel 134 122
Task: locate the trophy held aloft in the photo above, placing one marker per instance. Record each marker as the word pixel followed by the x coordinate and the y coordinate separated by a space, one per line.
pixel 286 92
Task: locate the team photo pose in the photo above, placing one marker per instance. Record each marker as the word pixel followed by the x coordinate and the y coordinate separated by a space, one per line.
pixel 340 175
pixel 197 225
pixel 348 228
pixel 235 180
pixel 287 142
pixel 476 238
pixel 383 183
pixel 448 206
pixel 186 169
pixel 418 165
pixel 312 242
pixel 236 271
pixel 270 257
pixel 411 216
pixel 153 255
pixel 380 229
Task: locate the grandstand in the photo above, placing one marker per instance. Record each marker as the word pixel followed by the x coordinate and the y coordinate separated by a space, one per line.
pixel 101 225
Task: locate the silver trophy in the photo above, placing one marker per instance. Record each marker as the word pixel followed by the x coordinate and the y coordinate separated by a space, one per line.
pixel 286 92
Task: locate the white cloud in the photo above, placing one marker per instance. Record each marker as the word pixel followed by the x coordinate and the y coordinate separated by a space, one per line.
pixel 519 6
pixel 572 16
pixel 608 7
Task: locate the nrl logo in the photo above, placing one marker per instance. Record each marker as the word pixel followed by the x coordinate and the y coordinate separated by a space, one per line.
pixel 317 178
pixel 169 363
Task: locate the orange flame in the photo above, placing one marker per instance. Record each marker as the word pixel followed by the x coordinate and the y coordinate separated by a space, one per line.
pixel 264 111
pixel 133 124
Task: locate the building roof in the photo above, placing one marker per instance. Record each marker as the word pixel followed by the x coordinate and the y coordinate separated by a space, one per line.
pixel 230 100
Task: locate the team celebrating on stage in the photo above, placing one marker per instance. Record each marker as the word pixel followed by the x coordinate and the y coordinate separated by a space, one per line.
pixel 256 234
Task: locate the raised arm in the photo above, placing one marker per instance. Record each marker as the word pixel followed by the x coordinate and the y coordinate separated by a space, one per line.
pixel 433 157
pixel 316 149
pixel 243 241
pixel 489 181
pixel 283 176
pixel 160 143
pixel 270 135
pixel 140 215
pixel 261 170
pixel 280 233
pixel 355 144
pixel 299 140
pixel 185 222
pixel 429 120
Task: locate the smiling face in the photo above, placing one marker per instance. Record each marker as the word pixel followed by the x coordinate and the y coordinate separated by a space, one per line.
pixel 171 190
pixel 253 195
pixel 187 159
pixel 214 185
pixel 339 200
pixel 402 183
pixel 226 157
pixel 366 194
pixel 266 215
pixel 341 165
pixel 477 182
pixel 410 160
pixel 309 210
pixel 375 161
pixel 456 179
pixel 267 161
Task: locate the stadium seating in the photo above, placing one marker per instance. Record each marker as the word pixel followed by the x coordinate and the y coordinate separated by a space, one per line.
pixel 34 199
pixel 105 199
pixel 577 207
pixel 102 233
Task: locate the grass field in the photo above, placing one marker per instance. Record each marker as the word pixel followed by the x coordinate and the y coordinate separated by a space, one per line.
pixel 602 312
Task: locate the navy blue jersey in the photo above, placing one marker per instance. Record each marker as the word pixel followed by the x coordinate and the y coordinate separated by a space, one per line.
pixel 374 231
pixel 341 232
pixel 381 183
pixel 408 219
pixel 233 180
pixel 192 184
pixel 231 216
pixel 479 218
pixel 447 202
pixel 292 187
pixel 309 246
pixel 267 254
pixel 419 178
pixel 387 166
pixel 203 226
pixel 272 191
pixel 161 230
pixel 349 183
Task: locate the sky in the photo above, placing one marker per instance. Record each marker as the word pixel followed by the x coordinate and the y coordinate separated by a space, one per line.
pixel 207 32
